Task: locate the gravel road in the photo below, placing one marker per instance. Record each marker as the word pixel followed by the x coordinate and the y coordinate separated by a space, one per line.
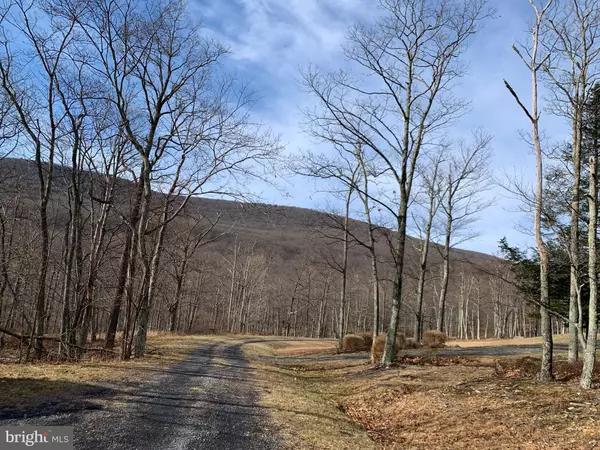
pixel 208 401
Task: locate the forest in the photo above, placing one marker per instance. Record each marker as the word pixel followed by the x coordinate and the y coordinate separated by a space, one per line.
pixel 129 155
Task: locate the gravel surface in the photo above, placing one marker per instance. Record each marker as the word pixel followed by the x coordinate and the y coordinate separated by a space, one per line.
pixel 208 401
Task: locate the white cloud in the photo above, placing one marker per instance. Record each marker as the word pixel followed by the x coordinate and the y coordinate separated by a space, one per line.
pixel 271 39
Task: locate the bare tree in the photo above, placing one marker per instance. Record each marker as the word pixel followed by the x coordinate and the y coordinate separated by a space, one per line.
pixel 351 167
pixel 589 353
pixel 534 60
pixel 336 230
pixel 189 127
pixel 344 265
pixel 181 249
pixel 39 112
pixel 430 179
pixel 367 172
pixel 412 56
pixel 573 45
pixel 466 178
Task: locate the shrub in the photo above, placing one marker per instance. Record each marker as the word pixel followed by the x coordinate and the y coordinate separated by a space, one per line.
pixel 368 337
pixel 379 345
pixel 434 339
pixel 353 343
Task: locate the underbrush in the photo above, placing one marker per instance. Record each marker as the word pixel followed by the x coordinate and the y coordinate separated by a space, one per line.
pixel 529 367
pixel 426 360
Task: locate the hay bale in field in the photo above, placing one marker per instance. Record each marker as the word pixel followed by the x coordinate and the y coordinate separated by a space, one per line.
pixel 379 345
pixel 368 337
pixel 434 339
pixel 353 343
pixel 411 343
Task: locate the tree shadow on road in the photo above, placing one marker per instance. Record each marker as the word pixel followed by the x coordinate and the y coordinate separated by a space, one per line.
pixel 34 397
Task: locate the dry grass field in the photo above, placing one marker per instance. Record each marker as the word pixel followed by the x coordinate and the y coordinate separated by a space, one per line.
pixel 22 384
pixel 426 402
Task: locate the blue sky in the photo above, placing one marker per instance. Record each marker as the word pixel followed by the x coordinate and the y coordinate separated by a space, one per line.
pixel 271 40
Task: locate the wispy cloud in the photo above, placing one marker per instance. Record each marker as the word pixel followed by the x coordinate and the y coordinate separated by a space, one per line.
pixel 270 40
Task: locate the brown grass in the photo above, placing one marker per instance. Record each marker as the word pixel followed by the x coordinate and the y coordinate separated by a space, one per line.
pixel 465 408
pixel 434 339
pixel 22 383
pixel 557 338
pixel 352 343
pixel 428 402
pixel 301 399
pixel 301 347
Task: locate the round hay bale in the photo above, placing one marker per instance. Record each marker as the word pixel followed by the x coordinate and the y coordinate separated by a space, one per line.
pixel 379 345
pixel 368 337
pixel 411 343
pixel 353 343
pixel 434 339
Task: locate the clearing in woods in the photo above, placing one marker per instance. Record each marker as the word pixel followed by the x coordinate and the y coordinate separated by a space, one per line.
pixel 200 392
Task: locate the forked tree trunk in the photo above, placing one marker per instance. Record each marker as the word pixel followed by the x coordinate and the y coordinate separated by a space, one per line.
pixel 389 352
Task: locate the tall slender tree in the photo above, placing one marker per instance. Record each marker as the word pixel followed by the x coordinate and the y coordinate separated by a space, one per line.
pixel 591 144
pixel 464 182
pixel 535 63
pixel 572 40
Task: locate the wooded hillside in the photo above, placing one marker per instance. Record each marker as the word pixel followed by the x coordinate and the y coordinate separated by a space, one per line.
pixel 260 269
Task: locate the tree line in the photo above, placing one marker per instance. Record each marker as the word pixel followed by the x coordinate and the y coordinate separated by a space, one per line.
pixel 115 90
pixel 128 117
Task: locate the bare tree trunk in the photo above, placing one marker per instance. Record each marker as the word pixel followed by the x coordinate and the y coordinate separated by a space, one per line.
pixel 344 267
pixel 534 65
pixel 389 352
pixel 574 240
pixel 232 287
pixel 148 294
pixel 445 271
pixel 364 196
pixel 323 310
pixel 546 369
pixel 174 307
pixel 418 332
pixel 589 354
pixel 115 311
